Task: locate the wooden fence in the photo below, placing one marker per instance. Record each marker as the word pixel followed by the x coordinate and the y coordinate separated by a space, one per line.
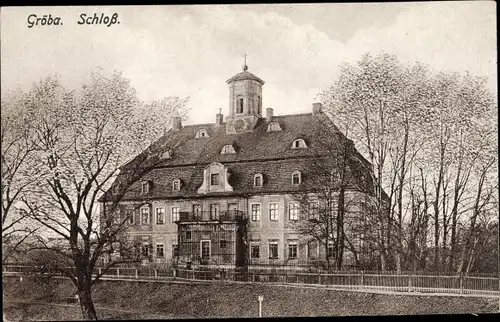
pixel 387 281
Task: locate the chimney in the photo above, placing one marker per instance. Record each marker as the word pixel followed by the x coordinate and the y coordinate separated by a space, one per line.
pixel 219 118
pixel 269 114
pixel 317 108
pixel 176 123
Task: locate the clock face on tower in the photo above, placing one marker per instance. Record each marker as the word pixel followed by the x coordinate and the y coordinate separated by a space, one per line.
pixel 239 125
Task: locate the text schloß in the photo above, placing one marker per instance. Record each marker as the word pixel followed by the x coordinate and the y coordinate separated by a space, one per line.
pixel 98 20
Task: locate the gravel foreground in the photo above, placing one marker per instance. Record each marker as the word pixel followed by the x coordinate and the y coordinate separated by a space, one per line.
pixel 36 300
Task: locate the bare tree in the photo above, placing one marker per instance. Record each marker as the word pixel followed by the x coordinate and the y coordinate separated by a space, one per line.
pixel 330 205
pixel 83 139
pixel 424 134
pixel 18 172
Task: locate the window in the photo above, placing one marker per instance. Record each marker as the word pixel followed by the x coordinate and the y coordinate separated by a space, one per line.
pixel 292 249
pixel 175 214
pixel 227 149
pixel 159 251
pixel 273 249
pixel 175 250
pixel 214 179
pixel 160 216
pixel 188 235
pixel 312 249
pixel 331 249
pixel 296 177
pixel 313 210
pixel 254 249
pixel 117 216
pixel 196 211
pixel 255 212
pixel 176 185
pixel 293 211
pixel 334 176
pixel 257 180
pixel 332 207
pixel 145 250
pixel 259 105
pixel 273 127
pixel 130 216
pixel 222 243
pixel 299 144
pixel 201 133
pixel 232 207
pixel 239 105
pixel 145 187
pixel 145 216
pixel 214 211
pixel 273 211
pixel 205 249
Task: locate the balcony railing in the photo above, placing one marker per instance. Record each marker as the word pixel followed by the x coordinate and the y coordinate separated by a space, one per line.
pixel 221 215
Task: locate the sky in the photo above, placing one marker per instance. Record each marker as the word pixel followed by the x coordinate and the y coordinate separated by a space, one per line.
pixel 296 49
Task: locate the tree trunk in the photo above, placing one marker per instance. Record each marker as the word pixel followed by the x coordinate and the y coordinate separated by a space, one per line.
pixel 86 304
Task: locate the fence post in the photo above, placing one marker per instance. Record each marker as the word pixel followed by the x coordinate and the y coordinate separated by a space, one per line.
pixel 156 273
pixel 117 272
pixel 319 278
pixel 100 270
pixel 409 282
pixel 461 283
pixel 362 279
pixel 136 273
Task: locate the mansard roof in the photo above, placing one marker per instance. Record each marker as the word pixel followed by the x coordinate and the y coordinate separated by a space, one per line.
pixel 260 151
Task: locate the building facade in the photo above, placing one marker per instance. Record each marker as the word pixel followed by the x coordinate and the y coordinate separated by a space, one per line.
pixel 226 193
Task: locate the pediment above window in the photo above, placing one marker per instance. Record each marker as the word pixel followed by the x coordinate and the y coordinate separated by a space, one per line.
pixel 215 179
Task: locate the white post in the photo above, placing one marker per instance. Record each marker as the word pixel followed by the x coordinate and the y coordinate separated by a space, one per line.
pixel 136 273
pixel 117 272
pixel 261 298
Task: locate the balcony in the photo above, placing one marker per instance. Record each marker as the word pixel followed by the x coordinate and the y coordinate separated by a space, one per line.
pixel 207 216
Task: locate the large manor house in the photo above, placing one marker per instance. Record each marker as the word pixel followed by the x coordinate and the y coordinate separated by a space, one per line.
pixel 227 192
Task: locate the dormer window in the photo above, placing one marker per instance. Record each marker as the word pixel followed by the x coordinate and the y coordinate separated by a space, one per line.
pixel 296 177
pixel 166 155
pixel 176 185
pixel 273 127
pixel 201 133
pixel 239 105
pixel 299 144
pixel 258 180
pixel 227 149
pixel 146 186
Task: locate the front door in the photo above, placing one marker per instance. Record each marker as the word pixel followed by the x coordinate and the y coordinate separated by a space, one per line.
pixel 205 249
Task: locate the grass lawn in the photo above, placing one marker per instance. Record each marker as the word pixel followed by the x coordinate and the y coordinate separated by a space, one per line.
pixel 147 300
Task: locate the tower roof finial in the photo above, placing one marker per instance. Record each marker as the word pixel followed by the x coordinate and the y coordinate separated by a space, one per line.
pixel 245 67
